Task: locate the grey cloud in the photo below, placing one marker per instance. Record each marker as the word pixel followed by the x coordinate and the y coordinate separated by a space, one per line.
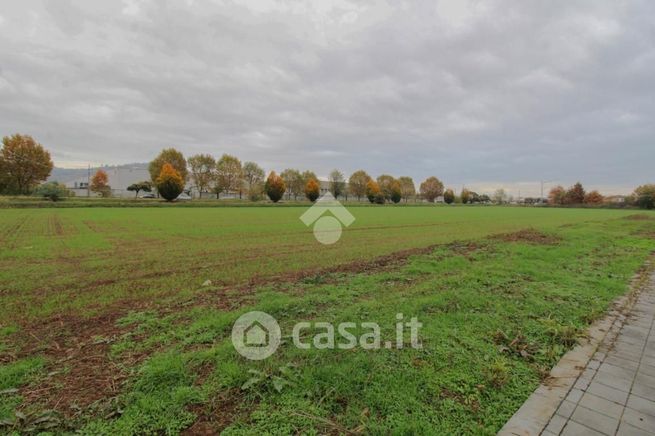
pixel 479 93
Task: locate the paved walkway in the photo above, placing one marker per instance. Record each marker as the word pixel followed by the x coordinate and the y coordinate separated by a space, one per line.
pixel 616 392
pixel 614 395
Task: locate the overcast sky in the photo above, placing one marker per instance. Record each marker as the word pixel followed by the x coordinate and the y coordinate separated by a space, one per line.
pixel 479 93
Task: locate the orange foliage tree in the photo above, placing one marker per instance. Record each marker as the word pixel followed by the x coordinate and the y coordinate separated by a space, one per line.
pixel 169 183
pixel 374 193
pixel 593 197
pixel 100 183
pixel 431 188
pixel 274 187
pixel 312 190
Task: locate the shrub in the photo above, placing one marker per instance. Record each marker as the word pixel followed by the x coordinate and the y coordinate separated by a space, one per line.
pixel 312 190
pixel 373 191
pixel 274 187
pixel 53 191
pixel 449 196
pixel 169 183
pixel 644 196
pixel 395 191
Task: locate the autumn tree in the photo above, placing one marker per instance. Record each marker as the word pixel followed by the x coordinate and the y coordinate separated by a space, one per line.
pixel 168 156
pixel 170 183
pixel 465 196
pixel 395 191
pixel 100 183
pixel 229 175
pixel 556 195
pixel 293 179
pixel 644 196
pixel 274 187
pixel 593 197
pixel 384 182
pixel 202 167
pixel 144 186
pixel 24 163
pixel 575 194
pixel 309 175
pixel 253 178
pixel 407 188
pixel 312 190
pixel 449 196
pixel 431 188
pixel 357 183
pixel 337 183
pixel 373 192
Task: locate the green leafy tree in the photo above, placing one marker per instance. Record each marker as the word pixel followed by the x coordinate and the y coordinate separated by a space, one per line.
pixel 202 167
pixel 274 187
pixel 52 190
pixel 644 196
pixel 144 186
pixel 431 188
pixel 168 156
pixel 24 163
pixel 337 183
pixel 465 196
pixel 407 188
pixel 357 183
pixel 253 179
pixel 169 183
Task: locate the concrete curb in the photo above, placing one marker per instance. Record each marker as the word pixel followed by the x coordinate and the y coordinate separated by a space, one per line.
pixel 534 415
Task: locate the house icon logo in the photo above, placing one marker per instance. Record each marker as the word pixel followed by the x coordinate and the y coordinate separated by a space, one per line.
pixel 327 228
pixel 256 335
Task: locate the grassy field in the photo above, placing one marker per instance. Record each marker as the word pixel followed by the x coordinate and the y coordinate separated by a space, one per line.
pixel 106 321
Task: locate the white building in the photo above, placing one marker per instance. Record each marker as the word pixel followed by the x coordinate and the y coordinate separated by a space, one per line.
pixel 119 179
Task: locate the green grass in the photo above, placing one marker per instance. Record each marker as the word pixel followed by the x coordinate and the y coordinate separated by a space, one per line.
pixel 85 259
pixel 496 315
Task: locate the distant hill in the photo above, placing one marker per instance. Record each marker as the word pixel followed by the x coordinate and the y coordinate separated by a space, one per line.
pixel 64 175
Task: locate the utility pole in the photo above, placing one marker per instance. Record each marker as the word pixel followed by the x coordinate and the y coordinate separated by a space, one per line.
pixel 88 181
pixel 542 189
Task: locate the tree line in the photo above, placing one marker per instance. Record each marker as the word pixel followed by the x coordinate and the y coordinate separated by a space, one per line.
pixel 25 165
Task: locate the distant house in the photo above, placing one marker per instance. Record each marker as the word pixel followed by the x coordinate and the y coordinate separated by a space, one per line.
pixel 119 179
pixel 616 199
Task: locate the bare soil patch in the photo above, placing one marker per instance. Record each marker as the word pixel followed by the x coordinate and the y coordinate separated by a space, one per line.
pixel 639 217
pixel 529 236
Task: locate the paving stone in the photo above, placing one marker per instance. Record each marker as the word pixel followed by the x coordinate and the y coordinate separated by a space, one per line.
pixel 626 429
pixel 641 405
pixel 617 371
pixel 575 395
pixel 574 429
pixel 556 424
pixel 643 391
pixel 622 363
pixel 645 380
pixel 637 419
pixel 595 420
pixel 620 383
pixel 601 405
pixel 566 409
pixel 607 392
pixel 647 369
